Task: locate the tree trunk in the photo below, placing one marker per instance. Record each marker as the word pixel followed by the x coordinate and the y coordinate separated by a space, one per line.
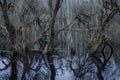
pixel 99 65
pixel 25 67
pixel 14 70
pixel 12 34
pixel 52 16
pixel 51 65
pixel 99 75
pixel 52 70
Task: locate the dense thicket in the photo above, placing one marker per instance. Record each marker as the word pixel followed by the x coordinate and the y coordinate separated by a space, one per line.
pixel 59 39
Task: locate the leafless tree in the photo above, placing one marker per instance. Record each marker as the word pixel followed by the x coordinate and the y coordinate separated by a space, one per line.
pixel 99 38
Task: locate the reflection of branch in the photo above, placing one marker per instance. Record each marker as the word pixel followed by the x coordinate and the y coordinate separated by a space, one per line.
pixel 82 69
pixel 43 58
pixel 6 65
pixel 106 59
pixel 37 68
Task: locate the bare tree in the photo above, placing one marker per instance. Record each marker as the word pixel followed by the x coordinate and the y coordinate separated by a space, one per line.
pixel 99 38
pixel 48 48
pixel 12 35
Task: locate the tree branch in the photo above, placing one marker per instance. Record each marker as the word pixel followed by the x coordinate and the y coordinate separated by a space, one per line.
pixel 6 66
